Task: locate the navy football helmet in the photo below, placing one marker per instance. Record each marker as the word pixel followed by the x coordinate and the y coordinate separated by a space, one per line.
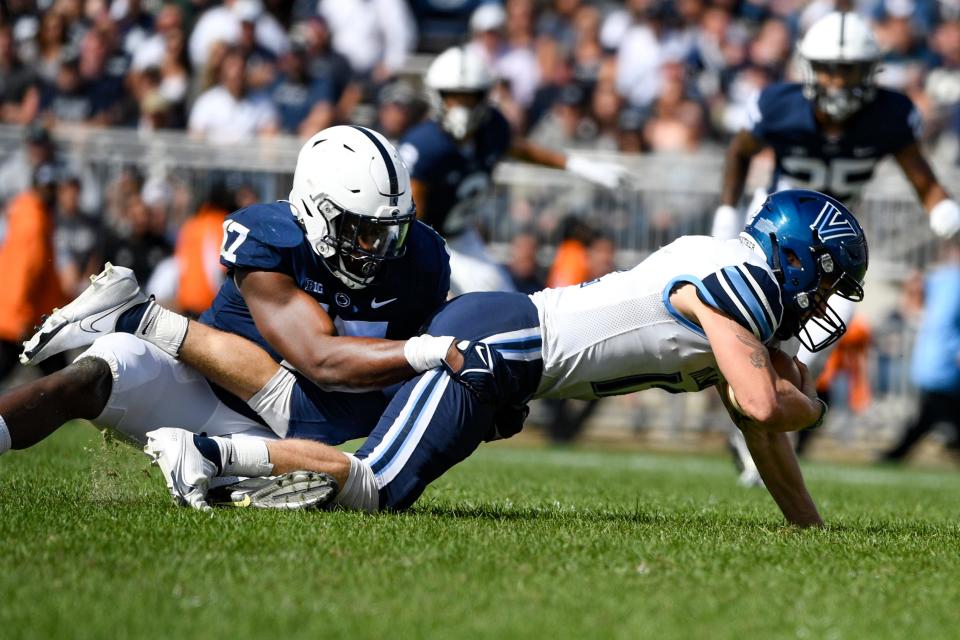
pixel 816 249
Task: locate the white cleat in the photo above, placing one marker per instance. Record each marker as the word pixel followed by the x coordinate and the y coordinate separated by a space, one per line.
pixel 92 314
pixel 184 468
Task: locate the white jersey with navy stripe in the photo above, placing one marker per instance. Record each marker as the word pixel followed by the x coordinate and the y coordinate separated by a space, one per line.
pixel 620 334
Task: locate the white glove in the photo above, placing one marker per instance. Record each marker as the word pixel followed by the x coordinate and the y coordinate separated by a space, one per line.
pixel 945 218
pixel 605 174
pixel 727 223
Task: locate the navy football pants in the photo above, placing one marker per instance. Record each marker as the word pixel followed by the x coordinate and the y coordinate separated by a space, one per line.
pixel 433 422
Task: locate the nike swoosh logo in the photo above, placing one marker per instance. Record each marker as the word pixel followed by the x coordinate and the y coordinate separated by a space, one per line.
pixel 88 324
pixel 376 305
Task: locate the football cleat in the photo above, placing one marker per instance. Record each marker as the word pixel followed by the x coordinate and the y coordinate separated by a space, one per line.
pixel 92 314
pixel 184 468
pixel 293 490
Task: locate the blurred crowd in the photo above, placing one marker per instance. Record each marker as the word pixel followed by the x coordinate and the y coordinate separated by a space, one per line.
pixel 637 75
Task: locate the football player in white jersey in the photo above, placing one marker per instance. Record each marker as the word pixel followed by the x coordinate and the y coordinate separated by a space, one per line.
pixel 700 312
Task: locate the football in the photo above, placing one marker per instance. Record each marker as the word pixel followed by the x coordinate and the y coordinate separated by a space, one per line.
pixel 785 366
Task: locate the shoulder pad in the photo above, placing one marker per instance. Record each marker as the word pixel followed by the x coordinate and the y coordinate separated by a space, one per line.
pixel 273 224
pixel 747 293
pixel 259 236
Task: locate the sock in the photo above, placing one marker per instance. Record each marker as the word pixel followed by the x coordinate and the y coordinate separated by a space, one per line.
pixel 209 450
pixel 247 457
pixel 5 441
pixel 158 326
pixel 130 319
pixel 360 490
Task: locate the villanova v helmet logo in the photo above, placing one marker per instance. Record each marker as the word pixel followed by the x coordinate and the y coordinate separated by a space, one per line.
pixel 832 223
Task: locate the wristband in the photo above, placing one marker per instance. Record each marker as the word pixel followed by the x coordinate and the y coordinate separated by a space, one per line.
pixel 823 415
pixel 426 352
pixel 727 223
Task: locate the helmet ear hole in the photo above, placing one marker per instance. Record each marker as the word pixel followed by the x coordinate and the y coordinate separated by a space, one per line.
pixel 792 258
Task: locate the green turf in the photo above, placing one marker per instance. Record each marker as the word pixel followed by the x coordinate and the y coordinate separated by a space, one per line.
pixel 514 543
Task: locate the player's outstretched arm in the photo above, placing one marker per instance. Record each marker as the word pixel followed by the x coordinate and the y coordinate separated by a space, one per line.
pixel 727 220
pixel 736 165
pixel 944 212
pixel 302 332
pixel 777 463
pixel 769 400
pixel 605 174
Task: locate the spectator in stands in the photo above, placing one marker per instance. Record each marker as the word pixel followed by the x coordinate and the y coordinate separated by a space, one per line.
pixel 72 100
pixel 18 171
pixel 906 56
pixel 375 36
pixel 516 63
pixel 557 22
pixel 604 112
pixel 261 61
pixel 400 107
pixel 152 50
pixel 566 126
pixel 136 238
pixel 587 53
pixel 677 122
pixel 113 106
pixel 228 112
pixel 76 239
pixel 525 271
pixel 571 264
pixel 52 45
pixel 304 104
pixel 643 40
pixel 197 252
pixel 31 286
pixel 630 131
pixel 19 94
pixel 223 23
pixel 936 358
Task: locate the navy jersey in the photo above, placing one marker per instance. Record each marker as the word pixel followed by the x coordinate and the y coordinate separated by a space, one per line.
pixel 806 158
pixel 458 175
pixel 266 237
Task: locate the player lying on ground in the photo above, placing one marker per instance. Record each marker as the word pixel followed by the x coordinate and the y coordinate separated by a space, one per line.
pixel 317 282
pixel 697 313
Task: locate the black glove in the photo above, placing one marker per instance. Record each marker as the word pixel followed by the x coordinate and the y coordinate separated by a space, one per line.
pixel 508 421
pixel 479 371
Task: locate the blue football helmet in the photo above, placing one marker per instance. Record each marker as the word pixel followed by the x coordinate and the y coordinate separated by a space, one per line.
pixel 816 249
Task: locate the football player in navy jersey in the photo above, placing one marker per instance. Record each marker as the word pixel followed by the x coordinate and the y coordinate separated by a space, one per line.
pixel 828 133
pixel 452 155
pixel 698 313
pixel 322 282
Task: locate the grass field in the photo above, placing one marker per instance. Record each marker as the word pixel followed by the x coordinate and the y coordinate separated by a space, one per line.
pixel 517 542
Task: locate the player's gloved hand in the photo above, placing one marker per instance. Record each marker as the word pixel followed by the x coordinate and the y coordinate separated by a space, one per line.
pixel 605 174
pixel 727 223
pixel 476 372
pixel 945 218
pixel 508 421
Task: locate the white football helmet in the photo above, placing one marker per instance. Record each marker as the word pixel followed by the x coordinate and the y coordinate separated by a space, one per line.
pixel 459 70
pixel 351 194
pixel 840 41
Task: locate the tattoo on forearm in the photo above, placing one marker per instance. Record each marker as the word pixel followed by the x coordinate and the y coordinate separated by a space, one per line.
pixel 760 358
